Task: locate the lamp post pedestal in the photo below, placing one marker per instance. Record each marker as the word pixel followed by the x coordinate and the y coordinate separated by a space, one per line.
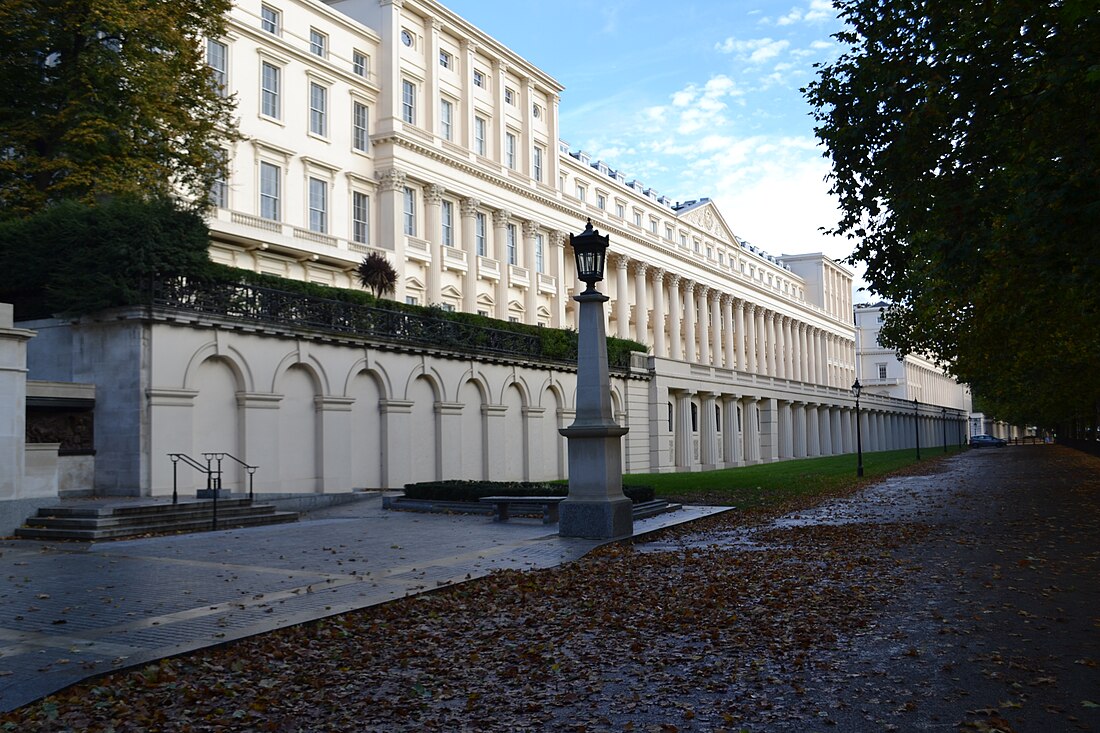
pixel 596 507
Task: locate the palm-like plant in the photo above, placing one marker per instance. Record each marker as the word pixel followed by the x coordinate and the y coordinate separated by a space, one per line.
pixel 377 274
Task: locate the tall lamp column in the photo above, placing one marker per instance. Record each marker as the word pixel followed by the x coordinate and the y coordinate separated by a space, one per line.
pixel 916 424
pixel 856 389
pixel 596 506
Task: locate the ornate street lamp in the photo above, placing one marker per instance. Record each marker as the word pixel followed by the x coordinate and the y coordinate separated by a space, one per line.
pixel 916 424
pixel 856 389
pixel 596 506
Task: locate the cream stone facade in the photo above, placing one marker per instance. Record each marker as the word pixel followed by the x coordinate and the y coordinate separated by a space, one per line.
pixel 395 126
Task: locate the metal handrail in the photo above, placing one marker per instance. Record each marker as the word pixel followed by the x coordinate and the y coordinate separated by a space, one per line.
pixel 251 470
pixel 193 463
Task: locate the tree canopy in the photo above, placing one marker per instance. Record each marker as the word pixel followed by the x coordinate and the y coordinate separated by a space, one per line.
pixel 108 97
pixel 965 148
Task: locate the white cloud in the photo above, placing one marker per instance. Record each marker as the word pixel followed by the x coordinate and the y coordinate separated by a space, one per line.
pixel 756 50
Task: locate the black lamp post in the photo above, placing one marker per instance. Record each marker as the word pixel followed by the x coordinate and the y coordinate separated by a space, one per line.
pixel 856 389
pixel 945 430
pixel 916 424
pixel 596 506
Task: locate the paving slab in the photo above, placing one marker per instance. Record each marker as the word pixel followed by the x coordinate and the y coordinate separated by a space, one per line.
pixel 69 611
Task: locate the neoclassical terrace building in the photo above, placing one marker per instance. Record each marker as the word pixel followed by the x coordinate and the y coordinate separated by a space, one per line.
pixel 396 126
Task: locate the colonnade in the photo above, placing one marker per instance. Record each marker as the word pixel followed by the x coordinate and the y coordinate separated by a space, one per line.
pixel 713 428
pixel 699 323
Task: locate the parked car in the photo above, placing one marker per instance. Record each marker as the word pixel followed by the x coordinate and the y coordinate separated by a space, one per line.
pixel 987 441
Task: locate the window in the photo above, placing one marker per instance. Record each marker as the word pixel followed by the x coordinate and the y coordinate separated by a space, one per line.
pixel 219 190
pixel 536 111
pixel 710 256
pixel 510 150
pixel 269 19
pixel 620 211
pixel 217 58
pixel 881 371
pixel 694 418
pixel 445 60
pixel 408 102
pixel 411 300
pixel 695 245
pixel 718 418
pixel 683 240
pixel 269 191
pixel 360 217
pixel 479 233
pixel 269 90
pixel 446 119
pixel 536 163
pixel 479 78
pixel 483 313
pixel 406 38
pixel 601 201
pixel 668 232
pixel 653 226
pixel 581 192
pixel 318 205
pixel 539 262
pixel 447 222
pixel 479 135
pixel 318 103
pixel 670 416
pixel 359 64
pixel 360 127
pixel 511 244
pixel 509 96
pixel 637 218
pixel 318 43
pixel 410 211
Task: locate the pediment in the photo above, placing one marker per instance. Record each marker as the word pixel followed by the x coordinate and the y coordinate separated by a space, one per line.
pixel 704 215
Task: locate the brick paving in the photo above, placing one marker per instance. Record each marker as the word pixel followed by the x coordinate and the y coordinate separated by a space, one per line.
pixel 69 611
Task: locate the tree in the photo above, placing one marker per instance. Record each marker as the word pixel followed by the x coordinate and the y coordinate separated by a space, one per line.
pixel 377 274
pixel 965 150
pixel 109 97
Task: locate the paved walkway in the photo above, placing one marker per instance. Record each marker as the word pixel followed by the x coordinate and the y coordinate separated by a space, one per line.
pixel 69 611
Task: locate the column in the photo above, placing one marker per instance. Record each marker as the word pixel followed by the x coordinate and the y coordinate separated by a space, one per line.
pixel 769 330
pixel 798 427
pixel 433 197
pixel 825 430
pixel 727 332
pixel 716 329
pixel 760 335
pixel 501 220
pixel 641 307
pixel 531 297
pixel 732 448
pixel 660 342
pixel 786 431
pixel 788 350
pixel 13 398
pixel 390 229
pixel 701 301
pixel 752 435
pixel 739 335
pixel 557 248
pixel 813 431
pixel 689 321
pixel 819 353
pixel 468 210
pixel 708 432
pixel 685 453
pixel 804 352
pixel 466 51
pixel 622 298
pixel 676 350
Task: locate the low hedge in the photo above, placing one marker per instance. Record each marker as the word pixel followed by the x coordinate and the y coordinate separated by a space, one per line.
pixel 473 490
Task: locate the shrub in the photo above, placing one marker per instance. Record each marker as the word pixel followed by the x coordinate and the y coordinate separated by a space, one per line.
pixel 455 490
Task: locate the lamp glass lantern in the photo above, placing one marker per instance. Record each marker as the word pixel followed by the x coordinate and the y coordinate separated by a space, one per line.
pixel 857 388
pixel 590 251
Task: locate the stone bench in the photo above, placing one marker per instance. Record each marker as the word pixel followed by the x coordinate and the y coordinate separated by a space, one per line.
pixel 503 506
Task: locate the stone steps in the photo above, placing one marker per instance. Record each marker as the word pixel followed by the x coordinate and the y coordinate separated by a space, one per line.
pixel 100 521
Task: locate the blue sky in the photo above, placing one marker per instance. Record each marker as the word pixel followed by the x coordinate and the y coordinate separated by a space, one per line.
pixel 693 98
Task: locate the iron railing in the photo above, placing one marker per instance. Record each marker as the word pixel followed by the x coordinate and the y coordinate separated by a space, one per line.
pixel 266 305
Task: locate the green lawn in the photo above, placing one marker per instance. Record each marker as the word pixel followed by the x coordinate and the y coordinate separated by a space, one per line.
pixel 780 483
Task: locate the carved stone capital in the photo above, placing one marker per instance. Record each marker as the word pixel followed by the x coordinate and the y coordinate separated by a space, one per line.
pixel 391 179
pixel 530 229
pixel 433 194
pixel 469 207
pixel 502 217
